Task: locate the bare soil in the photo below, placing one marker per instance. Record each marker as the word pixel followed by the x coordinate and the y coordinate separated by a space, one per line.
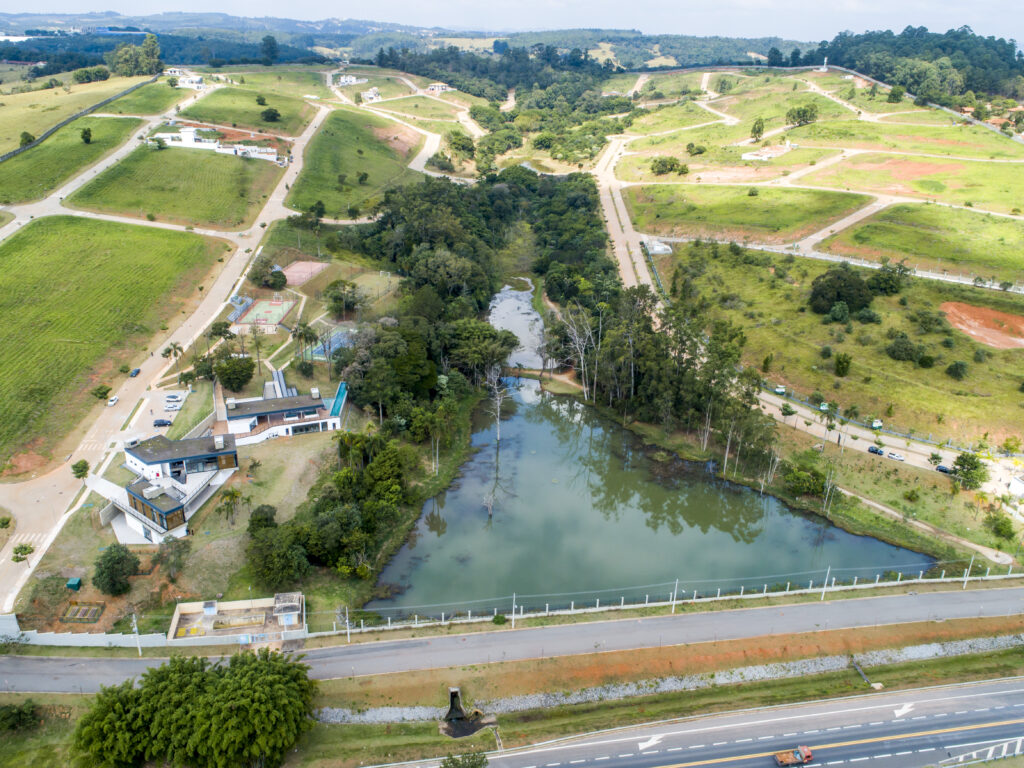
pixel 989 326
pixel 400 138
pixel 298 272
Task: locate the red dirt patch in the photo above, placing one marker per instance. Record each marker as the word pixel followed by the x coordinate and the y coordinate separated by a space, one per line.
pixel 989 326
pixel 298 272
pixel 399 137
pixel 20 463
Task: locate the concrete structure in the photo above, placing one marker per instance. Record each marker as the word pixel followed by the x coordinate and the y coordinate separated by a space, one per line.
pixel 264 619
pixel 438 88
pixel 193 82
pixel 1016 488
pixel 188 138
pixel 770 152
pixel 344 80
pixel 174 479
pixel 174 72
pixel 370 96
pixel 254 420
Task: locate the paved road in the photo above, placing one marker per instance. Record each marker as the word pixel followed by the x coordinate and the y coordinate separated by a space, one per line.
pixel 55 674
pixel 906 729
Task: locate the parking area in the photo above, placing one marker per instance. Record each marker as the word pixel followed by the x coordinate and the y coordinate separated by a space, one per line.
pixel 165 404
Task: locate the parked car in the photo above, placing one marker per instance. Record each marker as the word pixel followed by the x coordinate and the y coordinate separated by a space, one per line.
pixel 112 401
pixel 172 398
pixel 172 406
pixel 876 450
pixel 780 390
pixel 944 469
pixel 876 424
pixel 134 372
pixel 161 422
pixel 895 456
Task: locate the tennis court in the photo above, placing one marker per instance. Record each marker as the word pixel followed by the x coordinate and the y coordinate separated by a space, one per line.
pixel 299 272
pixel 267 312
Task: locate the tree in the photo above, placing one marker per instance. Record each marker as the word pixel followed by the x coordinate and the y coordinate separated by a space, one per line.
pixel 21 552
pixel 235 372
pixel 268 47
pixel 100 391
pixel 174 349
pixel 667 164
pixel 80 469
pixel 935 459
pixel 775 58
pixel 970 470
pixel 498 394
pixel 261 99
pixel 264 516
pixel 787 411
pixel 471 760
pixel 757 129
pixel 276 557
pixel 362 177
pixel 171 555
pixel 957 370
pixel 896 94
pixel 229 499
pixel 112 569
pixel 26 139
pixel 172 82
pixel 803 115
pixel 86 135
pixel 842 363
pixel 839 283
pixel 270 115
pixel 110 734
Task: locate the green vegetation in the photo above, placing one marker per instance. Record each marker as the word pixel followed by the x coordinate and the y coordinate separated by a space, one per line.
pixel 990 186
pixel 388 87
pixel 238 108
pixel 347 144
pixel 284 82
pixel 184 186
pixel 961 141
pixel 152 99
pixel 75 293
pixel 766 295
pixel 670 118
pixel 936 238
pixel 421 107
pixel 36 111
pixel 774 215
pixel 771 103
pixel 36 173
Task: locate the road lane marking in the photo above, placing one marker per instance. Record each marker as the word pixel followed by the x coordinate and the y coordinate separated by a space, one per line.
pixel 697 746
pixel 741 741
pixel 764 738
pixel 855 742
pixel 879 757
pixel 859 759
pixel 603 757
pixel 674 749
pixel 901 754
pixel 852 726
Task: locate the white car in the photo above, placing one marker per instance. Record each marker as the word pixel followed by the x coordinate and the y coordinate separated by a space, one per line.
pixel 172 407
pixel 876 424
pixel 895 456
pixel 780 390
pixel 172 398
pixel 112 401
pixel 823 407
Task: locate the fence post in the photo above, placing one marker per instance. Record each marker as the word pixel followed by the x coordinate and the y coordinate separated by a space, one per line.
pixel 899 576
pixel 787 587
pixel 943 574
pixel 741 590
pixel 877 577
pixel 986 571
pixel 766 589
pixel 572 606
pixel 622 602
pixel 362 626
pixel 416 620
pixel 855 581
pixel 825 585
pixel 547 608
pixel 967 573
pixel 695 594
pixel 442 617
pixel 674 591
pixel 920 575
pixel 469 616
pixel 513 610
pixel 389 622
pixel 647 599
pixel 811 584
pixel 598 603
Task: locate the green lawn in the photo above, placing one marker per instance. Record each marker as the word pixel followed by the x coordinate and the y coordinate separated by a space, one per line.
pixel 766 295
pixel 39 110
pixel 937 238
pixel 237 107
pixel 464 99
pixel 672 84
pixel 990 186
pixel 79 297
pixel 921 117
pixel 388 86
pixel 421 108
pixel 284 82
pixel 721 164
pixel 772 103
pixel 710 136
pixel 347 144
pixel 185 186
pixel 36 173
pixel 959 141
pixel 620 83
pixel 730 213
pixel 153 99
pixel 670 118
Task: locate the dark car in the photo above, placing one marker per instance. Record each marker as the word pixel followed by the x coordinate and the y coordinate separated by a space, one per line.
pixel 876 450
pixel 161 422
pixel 944 469
pixel 135 372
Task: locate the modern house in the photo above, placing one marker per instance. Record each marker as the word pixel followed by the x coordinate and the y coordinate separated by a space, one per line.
pixel 344 80
pixel 370 96
pixel 187 137
pixel 174 479
pixel 255 420
pixel 438 88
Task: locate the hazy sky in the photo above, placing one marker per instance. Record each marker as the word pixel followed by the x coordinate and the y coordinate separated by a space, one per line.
pixel 798 19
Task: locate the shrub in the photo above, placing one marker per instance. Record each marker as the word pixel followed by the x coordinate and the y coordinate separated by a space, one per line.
pixel 100 392
pixel 839 283
pixel 305 368
pixel 970 470
pixel 270 115
pixel 261 100
pixel 825 352
pixel 18 717
pixel 839 313
pixel 752 192
pixel 667 164
pixel 1000 524
pixel 902 348
pixel 912 495
pixel 957 370
pixel 980 355
pixel 868 315
pixel 499 618
pixel 926 361
pixel 80 469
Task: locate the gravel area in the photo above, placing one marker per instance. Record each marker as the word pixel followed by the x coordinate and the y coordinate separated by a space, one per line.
pixel 617 691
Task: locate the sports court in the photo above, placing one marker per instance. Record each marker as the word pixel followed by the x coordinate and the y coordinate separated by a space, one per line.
pixel 267 311
pixel 299 272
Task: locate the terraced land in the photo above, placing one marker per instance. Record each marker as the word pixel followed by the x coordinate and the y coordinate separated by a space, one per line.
pixel 388 86
pixel 731 213
pixel 37 111
pixel 720 165
pixel 671 118
pixel 352 142
pixel 184 186
pixel 421 108
pixel 959 141
pixel 153 99
pixel 991 186
pixel 765 294
pixel 35 173
pixel 237 107
pixel 79 297
pixel 937 238
pixel 284 82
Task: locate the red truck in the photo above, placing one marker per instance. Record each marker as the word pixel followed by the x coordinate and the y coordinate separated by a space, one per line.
pixel 797 756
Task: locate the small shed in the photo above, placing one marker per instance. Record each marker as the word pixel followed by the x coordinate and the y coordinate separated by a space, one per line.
pixel 74 583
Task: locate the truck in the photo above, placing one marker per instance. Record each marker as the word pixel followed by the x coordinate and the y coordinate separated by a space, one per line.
pixel 797 756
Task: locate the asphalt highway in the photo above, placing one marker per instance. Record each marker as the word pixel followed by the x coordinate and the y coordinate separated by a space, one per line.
pixel 905 729
pixel 62 674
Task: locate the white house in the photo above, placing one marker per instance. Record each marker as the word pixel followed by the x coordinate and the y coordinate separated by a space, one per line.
pixel 188 138
pixel 255 420
pixel 1017 487
pixel 370 96
pixel 344 80
pixel 438 88
pixel 174 72
pixel 174 478
pixel 195 82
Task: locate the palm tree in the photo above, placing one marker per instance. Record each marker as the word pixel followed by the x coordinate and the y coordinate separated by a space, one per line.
pixel 301 333
pixel 257 344
pixel 229 499
pixel 175 349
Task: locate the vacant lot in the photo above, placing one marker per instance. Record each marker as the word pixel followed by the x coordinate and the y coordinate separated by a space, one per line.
pixel 671 118
pixel 766 295
pixel 387 86
pixel 920 117
pixel 185 186
pixel 672 84
pixel 350 143
pixel 956 141
pixel 36 173
pixel 79 297
pixel 237 108
pixel 731 213
pixel 284 82
pixel 991 186
pixel 937 238
pixel 720 165
pixel 771 102
pixel 153 99
pixel 421 108
pixel 36 111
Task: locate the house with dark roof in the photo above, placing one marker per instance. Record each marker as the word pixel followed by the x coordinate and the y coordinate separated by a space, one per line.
pixel 257 419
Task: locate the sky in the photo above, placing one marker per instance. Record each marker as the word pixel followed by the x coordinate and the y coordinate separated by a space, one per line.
pixel 794 19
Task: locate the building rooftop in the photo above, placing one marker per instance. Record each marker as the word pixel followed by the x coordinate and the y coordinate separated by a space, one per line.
pixel 163 501
pixel 159 449
pixel 265 407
